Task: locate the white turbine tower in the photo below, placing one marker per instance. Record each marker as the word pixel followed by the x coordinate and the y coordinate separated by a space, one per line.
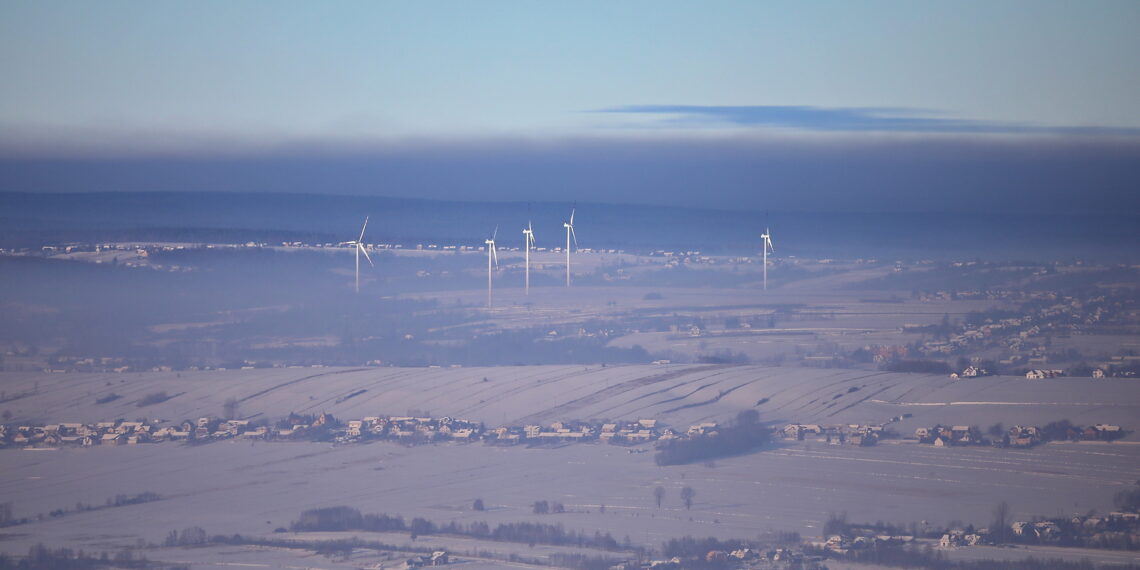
pixel 492 255
pixel 358 245
pixel 569 233
pixel 767 246
pixel 528 238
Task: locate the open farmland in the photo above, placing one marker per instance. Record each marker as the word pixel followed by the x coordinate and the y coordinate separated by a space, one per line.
pixel 254 487
pixel 419 357
pixel 677 395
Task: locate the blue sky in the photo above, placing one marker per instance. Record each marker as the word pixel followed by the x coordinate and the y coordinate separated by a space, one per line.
pixel 116 80
pixel 378 70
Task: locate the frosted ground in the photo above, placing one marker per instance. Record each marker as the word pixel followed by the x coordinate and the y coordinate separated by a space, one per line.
pixel 678 395
pixel 253 488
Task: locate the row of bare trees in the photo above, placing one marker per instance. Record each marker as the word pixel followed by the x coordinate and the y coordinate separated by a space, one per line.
pixel 687 495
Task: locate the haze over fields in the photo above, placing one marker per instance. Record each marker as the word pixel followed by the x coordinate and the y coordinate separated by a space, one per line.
pixel 271 347
pixel 237 486
pixel 639 285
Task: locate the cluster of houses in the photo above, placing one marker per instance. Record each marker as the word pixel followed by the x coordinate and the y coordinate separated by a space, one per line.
pixel 1034 374
pixel 1115 525
pixel 121 432
pixel 742 558
pixel 143 250
pixel 970 372
pixel 1043 530
pixel 850 434
pixel 1113 522
pixel 1039 374
pixel 782 556
pixel 1025 338
pixel 410 429
pixel 941 436
pixel 959 537
pixel 840 544
pixel 437 558
pixel 404 429
pixel 425 429
pixel 1016 436
pixel 415 430
pixel 1118 527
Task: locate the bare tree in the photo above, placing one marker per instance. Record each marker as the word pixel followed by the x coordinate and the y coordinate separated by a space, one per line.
pixel 229 408
pixel 687 495
pixel 1001 522
pixel 659 494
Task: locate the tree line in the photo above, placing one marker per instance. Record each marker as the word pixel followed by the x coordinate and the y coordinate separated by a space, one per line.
pixel 344 518
pixel 744 435
pixel 41 557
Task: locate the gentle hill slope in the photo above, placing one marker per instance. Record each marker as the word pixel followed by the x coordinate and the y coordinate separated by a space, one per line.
pixel 678 395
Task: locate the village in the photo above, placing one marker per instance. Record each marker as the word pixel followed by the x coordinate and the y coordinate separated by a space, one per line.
pixel 1118 529
pixel 324 427
pixel 1027 343
pixel 413 430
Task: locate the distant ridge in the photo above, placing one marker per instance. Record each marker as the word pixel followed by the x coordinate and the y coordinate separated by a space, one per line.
pixel 33 219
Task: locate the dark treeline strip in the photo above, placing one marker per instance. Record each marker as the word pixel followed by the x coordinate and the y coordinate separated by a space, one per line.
pixel 688 546
pixel 343 547
pixel 744 435
pixel 348 518
pixel 41 557
pixel 120 500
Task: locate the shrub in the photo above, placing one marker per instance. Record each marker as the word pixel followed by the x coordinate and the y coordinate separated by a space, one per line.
pixel 153 398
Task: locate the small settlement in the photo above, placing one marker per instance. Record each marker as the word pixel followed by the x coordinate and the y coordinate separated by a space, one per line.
pixel 402 429
pixel 411 430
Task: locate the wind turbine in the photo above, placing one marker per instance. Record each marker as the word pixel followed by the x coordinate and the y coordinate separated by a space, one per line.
pixel 492 255
pixel 767 246
pixel 569 232
pixel 528 238
pixel 358 245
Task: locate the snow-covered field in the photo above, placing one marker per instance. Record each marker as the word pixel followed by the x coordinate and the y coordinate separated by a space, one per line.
pixel 253 488
pixel 679 395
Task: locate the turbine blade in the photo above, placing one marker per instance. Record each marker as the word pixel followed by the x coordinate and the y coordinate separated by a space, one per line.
pixel 575 236
pixel 495 233
pixel 361 238
pixel 572 216
pixel 365 252
pixel 494 254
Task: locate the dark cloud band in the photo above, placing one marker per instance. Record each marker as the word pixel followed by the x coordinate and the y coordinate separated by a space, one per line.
pixel 855 119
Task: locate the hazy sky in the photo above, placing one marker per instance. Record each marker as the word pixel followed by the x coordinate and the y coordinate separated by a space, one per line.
pixel 116 79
